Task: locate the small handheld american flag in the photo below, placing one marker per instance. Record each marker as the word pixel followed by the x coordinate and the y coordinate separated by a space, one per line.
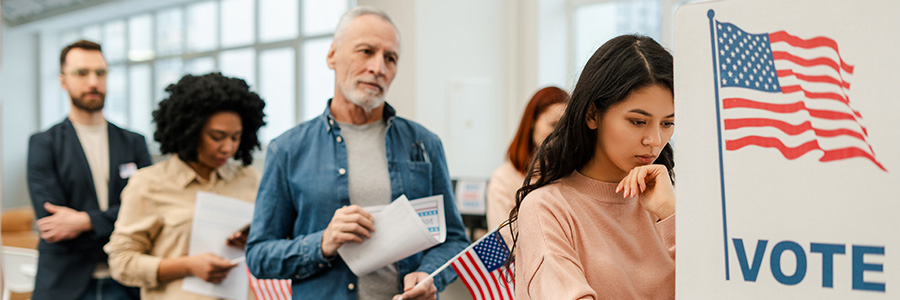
pixel 481 268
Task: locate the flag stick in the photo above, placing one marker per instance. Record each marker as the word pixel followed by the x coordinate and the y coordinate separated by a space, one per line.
pixel 447 264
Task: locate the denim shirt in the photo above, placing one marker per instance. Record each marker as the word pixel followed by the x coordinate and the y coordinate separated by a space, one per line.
pixel 305 180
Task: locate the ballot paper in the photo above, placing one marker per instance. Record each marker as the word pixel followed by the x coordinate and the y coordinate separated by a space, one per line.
pixel 402 228
pixel 216 218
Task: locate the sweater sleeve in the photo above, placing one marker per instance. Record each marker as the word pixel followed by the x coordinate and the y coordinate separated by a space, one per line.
pixel 547 266
pixel 666 228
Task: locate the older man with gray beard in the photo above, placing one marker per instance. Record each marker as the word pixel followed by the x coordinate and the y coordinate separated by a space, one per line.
pixel 319 175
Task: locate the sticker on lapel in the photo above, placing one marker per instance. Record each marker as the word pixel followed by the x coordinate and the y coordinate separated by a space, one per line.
pixel 125 170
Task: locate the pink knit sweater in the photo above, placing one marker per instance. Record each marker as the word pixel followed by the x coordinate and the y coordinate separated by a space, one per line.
pixel 578 239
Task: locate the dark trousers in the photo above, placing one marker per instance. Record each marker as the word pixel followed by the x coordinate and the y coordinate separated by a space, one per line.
pixel 109 289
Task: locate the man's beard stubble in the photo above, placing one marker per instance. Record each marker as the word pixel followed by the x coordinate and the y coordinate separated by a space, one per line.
pixel 89 106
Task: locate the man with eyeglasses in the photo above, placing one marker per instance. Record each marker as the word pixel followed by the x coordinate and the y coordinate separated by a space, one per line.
pixel 76 171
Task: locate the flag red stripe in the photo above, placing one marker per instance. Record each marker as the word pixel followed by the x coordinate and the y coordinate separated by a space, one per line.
pixel 480 274
pixel 471 275
pixel 790 129
pixel 276 289
pixel 770 142
pixel 253 285
pixel 506 284
pixel 795 152
pixel 787 89
pixel 287 287
pixel 267 289
pixel 818 61
pixel 468 280
pixel 782 36
pixel 816 79
pixel 728 103
pixel 849 152
pixel 483 288
pixel 493 277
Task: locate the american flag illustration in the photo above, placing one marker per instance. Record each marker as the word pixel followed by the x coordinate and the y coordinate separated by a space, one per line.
pixel 788 93
pixel 270 289
pixel 481 268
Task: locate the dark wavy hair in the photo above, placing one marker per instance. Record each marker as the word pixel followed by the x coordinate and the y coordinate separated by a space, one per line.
pixel 180 117
pixel 522 147
pixel 622 65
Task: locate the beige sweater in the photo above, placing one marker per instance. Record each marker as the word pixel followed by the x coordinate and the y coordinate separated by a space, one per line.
pixel 580 240
pixel 501 193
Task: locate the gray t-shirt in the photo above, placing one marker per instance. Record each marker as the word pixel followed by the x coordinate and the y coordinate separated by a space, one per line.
pixel 370 184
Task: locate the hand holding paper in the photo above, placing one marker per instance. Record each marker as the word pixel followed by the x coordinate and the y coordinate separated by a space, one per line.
pixel 401 229
pixel 216 218
pixel 210 267
pixel 349 224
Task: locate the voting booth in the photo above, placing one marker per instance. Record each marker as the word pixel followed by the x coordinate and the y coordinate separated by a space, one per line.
pixel 788 149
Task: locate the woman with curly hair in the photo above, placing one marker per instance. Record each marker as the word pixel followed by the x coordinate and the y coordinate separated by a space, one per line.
pixel 599 220
pixel 207 122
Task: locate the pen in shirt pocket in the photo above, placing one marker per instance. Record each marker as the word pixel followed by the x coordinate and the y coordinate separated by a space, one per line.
pixel 417 151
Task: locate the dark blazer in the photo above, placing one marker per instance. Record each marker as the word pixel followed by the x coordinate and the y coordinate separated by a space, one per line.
pixel 58 172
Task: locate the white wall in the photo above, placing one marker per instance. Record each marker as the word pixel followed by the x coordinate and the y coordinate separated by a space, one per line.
pixel 468 68
pixel 18 93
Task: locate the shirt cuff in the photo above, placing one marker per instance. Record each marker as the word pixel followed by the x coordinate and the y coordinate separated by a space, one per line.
pixel 150 267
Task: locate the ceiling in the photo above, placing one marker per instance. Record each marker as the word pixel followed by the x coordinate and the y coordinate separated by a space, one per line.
pixel 18 12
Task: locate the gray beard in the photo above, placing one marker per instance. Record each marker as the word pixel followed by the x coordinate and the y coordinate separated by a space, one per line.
pixel 367 102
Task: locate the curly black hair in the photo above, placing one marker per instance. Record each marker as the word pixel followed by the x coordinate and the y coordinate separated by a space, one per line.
pixel 180 117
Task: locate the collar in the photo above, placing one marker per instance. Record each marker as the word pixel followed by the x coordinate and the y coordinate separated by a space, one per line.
pixel 387 115
pixel 183 175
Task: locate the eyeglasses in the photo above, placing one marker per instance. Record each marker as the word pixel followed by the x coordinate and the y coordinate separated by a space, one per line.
pixel 84 73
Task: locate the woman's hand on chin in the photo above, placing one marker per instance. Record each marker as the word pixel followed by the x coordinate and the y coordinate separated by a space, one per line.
pixel 651 183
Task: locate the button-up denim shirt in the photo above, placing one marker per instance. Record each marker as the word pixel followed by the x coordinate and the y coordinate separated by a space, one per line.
pixel 305 181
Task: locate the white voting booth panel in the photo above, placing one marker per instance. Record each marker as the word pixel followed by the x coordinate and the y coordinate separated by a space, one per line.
pixel 788 157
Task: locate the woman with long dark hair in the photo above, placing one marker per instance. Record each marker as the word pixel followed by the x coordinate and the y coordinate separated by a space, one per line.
pixel 598 221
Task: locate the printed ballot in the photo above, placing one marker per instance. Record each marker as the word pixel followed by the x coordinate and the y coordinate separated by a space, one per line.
pixel 215 219
pixel 402 228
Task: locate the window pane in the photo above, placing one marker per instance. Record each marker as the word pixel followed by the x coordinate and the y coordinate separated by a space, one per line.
pixel 140 35
pixel 278 19
pixel 114 41
pixel 92 33
pixel 116 107
pixel 239 63
pixel 237 22
pixel 318 80
pixel 201 27
pixel 168 31
pixel 321 16
pixel 168 71
pixel 276 86
pixel 597 23
pixel 140 97
pixel 200 66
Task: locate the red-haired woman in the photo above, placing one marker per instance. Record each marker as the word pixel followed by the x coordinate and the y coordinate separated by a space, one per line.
pixel 539 119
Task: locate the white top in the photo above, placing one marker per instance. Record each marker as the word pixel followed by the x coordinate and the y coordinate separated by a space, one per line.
pixel 95 143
